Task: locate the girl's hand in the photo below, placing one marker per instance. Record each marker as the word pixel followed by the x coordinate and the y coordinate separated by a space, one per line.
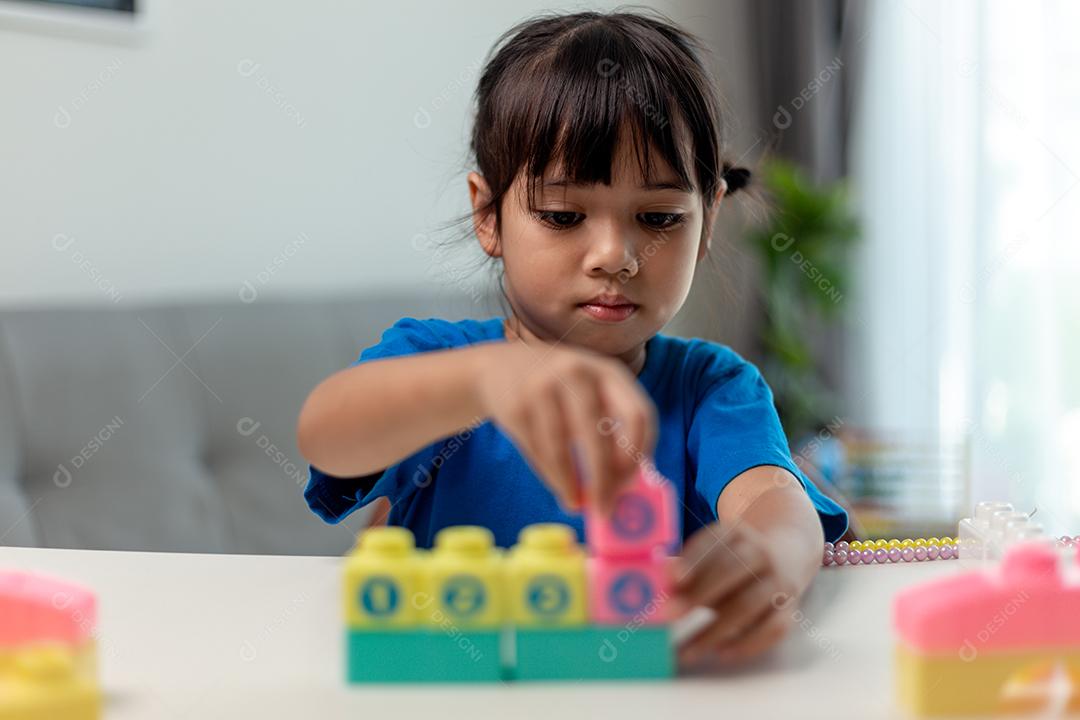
pixel 734 572
pixel 552 400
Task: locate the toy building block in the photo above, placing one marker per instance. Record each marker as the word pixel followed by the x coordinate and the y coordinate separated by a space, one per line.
pixel 47 649
pixel 973 531
pixel 383 576
pixel 44 682
pixel 593 652
pixel 628 582
pixel 1006 530
pixel 383 584
pixel 545 578
pixel 975 642
pixel 413 616
pixel 37 608
pixel 546 596
pixel 546 589
pixel 993 529
pixel 628 591
pixel 466 609
pixel 643 518
pixel 465 579
pixel 420 617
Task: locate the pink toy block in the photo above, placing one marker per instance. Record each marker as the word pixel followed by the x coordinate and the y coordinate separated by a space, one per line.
pixel 37 608
pixel 1024 604
pixel 622 590
pixel 642 519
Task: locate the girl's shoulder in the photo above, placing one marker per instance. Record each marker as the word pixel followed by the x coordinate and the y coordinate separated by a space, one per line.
pixel 412 335
pixel 700 365
pixel 451 332
pixel 697 354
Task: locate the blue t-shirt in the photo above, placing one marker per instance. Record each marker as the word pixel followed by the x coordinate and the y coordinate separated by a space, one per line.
pixel 716 420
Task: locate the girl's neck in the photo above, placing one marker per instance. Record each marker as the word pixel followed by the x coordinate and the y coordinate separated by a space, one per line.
pixel 514 329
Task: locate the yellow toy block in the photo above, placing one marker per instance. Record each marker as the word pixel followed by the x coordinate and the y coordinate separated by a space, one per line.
pixel 44 682
pixel 463 580
pixel 1008 683
pixel 383 580
pixel 83 655
pixel 545 578
pixel 1000 642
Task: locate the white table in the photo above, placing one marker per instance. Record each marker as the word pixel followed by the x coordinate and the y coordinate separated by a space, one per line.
pixel 245 636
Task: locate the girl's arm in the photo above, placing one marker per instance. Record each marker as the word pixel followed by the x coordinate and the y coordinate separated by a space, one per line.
pixel 751 566
pixel 365 418
pixel 548 398
pixel 772 501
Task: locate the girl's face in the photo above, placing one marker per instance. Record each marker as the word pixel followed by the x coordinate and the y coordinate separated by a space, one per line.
pixel 599 266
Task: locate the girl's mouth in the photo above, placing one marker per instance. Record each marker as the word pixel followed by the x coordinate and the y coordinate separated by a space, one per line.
pixel 609 313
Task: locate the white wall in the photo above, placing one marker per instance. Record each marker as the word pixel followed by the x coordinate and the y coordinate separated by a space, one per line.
pixel 298 147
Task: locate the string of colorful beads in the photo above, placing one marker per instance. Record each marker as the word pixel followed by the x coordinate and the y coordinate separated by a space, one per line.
pixel 887 551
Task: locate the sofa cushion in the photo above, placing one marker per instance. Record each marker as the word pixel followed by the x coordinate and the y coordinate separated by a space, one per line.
pixel 173 428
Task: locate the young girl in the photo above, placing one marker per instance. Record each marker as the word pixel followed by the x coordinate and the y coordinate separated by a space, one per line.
pixel 598 177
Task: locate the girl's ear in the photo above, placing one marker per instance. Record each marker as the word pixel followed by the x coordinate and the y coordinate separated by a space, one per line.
pixel 483 215
pixel 709 219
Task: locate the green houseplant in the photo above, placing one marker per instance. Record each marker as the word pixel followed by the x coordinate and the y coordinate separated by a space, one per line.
pixel 803 249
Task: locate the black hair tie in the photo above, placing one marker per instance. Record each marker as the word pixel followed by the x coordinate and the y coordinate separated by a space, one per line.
pixel 735 177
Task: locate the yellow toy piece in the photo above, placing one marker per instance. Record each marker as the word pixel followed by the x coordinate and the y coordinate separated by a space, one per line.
pixel 464 584
pixel 383 586
pixel 998 683
pixel 44 682
pixel 83 656
pixel 545 578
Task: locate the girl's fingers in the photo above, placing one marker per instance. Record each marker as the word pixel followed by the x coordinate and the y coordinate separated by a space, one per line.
pixel 642 420
pixel 627 429
pixel 583 406
pixel 718 638
pixel 553 445
pixel 649 424
pixel 685 568
pixel 757 639
pixel 715 562
pixel 715 587
pixel 739 612
pixel 523 434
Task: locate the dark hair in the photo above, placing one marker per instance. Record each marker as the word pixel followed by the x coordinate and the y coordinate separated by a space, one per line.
pixel 562 87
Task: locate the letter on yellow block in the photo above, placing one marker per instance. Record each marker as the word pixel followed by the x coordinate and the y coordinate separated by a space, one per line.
pixel 383 576
pixel 464 580
pixel 545 578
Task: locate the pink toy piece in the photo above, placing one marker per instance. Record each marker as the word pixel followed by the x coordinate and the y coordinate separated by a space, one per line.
pixel 642 519
pixel 622 591
pixel 36 608
pixel 1023 604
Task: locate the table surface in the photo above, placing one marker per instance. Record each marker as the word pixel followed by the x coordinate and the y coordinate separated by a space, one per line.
pixel 237 636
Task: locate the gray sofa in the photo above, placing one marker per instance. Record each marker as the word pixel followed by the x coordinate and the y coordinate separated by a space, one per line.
pixel 173 428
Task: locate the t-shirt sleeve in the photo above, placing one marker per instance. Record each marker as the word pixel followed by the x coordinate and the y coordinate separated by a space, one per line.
pixel 735 427
pixel 333 498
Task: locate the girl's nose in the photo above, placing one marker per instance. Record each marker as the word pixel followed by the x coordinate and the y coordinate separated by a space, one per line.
pixel 611 254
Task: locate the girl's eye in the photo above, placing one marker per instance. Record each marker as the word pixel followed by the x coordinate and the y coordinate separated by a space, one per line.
pixel 661 221
pixel 559 220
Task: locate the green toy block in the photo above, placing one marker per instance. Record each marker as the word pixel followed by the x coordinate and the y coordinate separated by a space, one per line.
pixel 594 652
pixel 423 655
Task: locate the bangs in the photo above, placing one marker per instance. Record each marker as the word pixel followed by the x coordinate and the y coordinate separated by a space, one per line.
pixel 576 96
